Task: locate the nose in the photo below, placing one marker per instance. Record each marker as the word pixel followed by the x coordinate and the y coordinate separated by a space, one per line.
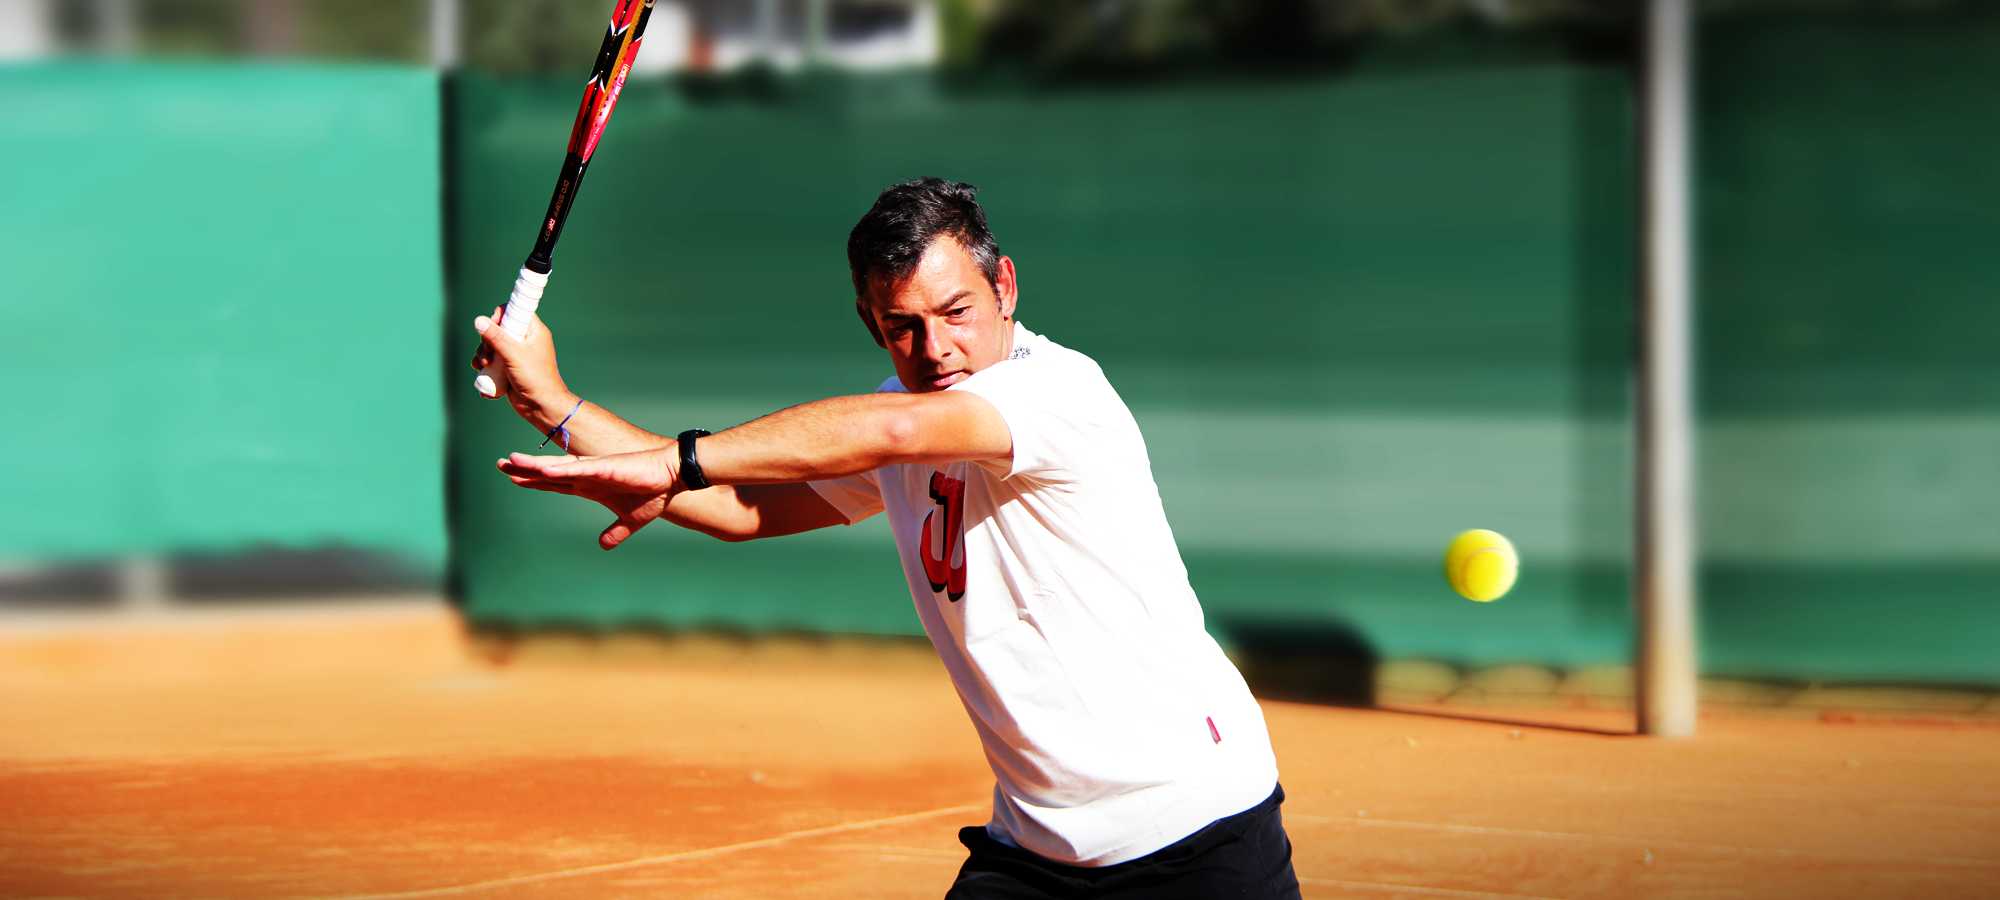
pixel 935 349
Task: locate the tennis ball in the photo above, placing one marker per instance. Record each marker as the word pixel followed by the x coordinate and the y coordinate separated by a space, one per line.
pixel 1481 565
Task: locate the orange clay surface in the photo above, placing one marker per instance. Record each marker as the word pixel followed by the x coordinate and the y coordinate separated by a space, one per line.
pixel 317 758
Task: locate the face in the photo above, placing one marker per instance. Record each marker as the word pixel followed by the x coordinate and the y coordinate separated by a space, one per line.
pixel 944 322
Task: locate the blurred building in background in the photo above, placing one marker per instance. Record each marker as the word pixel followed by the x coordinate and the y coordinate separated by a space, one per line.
pixel 1362 269
pixel 25 30
pixel 366 29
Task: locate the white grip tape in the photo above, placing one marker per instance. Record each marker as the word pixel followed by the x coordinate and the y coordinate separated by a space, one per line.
pixel 521 306
pixel 517 317
pixel 530 284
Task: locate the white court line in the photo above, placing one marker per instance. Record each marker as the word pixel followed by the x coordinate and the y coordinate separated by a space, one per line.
pixel 936 855
pixel 668 858
pixel 1643 842
pixel 1413 889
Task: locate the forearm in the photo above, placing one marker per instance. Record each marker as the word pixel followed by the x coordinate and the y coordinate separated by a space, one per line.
pixel 593 430
pixel 733 513
pixel 843 436
pixel 540 397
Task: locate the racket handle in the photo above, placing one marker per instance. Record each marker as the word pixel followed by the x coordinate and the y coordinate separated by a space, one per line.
pixel 519 314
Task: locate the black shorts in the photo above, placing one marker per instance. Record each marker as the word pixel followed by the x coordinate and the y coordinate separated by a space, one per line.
pixel 1246 855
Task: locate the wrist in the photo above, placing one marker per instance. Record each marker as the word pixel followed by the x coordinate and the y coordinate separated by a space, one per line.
pixel 688 471
pixel 559 429
pixel 669 458
pixel 553 408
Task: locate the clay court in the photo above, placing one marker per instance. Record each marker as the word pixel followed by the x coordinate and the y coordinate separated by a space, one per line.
pixel 375 753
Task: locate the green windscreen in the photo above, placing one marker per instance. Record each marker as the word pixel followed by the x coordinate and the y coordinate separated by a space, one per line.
pixel 221 310
pixel 1354 317
pixel 1850 208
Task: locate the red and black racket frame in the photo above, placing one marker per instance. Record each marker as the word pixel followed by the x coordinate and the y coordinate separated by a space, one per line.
pixel 600 96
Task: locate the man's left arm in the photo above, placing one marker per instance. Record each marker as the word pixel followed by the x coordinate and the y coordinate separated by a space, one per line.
pixel 817 441
pixel 843 436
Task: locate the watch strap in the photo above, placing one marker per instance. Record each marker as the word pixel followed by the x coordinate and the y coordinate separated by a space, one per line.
pixel 690 466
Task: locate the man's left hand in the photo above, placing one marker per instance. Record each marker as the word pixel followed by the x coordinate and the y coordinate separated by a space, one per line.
pixel 635 487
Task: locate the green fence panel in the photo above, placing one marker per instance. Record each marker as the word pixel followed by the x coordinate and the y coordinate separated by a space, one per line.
pixel 1850 207
pixel 222 309
pixel 1353 316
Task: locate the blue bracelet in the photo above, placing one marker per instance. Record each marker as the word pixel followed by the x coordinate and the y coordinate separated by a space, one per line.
pixel 559 429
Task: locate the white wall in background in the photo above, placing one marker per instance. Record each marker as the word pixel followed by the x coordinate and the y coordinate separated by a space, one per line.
pixel 918 45
pixel 665 46
pixel 26 30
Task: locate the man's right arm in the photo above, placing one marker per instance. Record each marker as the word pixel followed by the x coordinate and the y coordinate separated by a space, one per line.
pixel 539 395
pixel 745 512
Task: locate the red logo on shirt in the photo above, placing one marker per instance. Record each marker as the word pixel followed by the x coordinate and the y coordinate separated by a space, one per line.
pixel 944 543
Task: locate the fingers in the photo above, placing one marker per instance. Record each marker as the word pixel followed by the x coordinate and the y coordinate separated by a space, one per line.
pixel 542 484
pixel 559 468
pixel 483 357
pixel 605 470
pixel 484 325
pixel 547 473
pixel 593 478
pixel 530 468
pixel 618 531
pixel 547 466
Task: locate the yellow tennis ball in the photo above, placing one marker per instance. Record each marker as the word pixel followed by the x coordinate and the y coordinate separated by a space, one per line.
pixel 1481 565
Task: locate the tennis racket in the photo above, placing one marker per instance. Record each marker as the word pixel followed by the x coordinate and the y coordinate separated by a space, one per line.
pixel 607 80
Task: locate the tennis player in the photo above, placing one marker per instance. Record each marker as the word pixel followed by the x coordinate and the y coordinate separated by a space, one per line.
pixel 1129 758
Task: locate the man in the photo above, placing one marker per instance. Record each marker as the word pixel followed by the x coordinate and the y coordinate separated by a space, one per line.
pixel 1130 759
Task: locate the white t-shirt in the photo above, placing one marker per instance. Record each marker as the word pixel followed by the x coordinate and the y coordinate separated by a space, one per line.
pixel 1052 588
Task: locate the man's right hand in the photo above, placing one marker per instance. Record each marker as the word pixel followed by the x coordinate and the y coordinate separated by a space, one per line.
pixel 535 384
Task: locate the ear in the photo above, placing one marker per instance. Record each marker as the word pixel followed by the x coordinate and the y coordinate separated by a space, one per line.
pixel 868 319
pixel 1005 286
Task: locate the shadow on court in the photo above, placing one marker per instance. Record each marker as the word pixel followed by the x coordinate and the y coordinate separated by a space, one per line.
pixel 1330 663
pixel 1305 661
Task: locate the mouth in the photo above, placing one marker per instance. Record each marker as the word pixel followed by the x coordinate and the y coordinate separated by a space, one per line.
pixel 940 381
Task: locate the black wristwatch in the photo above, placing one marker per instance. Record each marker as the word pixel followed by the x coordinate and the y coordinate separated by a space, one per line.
pixel 690 467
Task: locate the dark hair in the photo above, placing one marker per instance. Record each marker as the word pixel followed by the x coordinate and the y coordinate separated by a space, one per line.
pixel 892 237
